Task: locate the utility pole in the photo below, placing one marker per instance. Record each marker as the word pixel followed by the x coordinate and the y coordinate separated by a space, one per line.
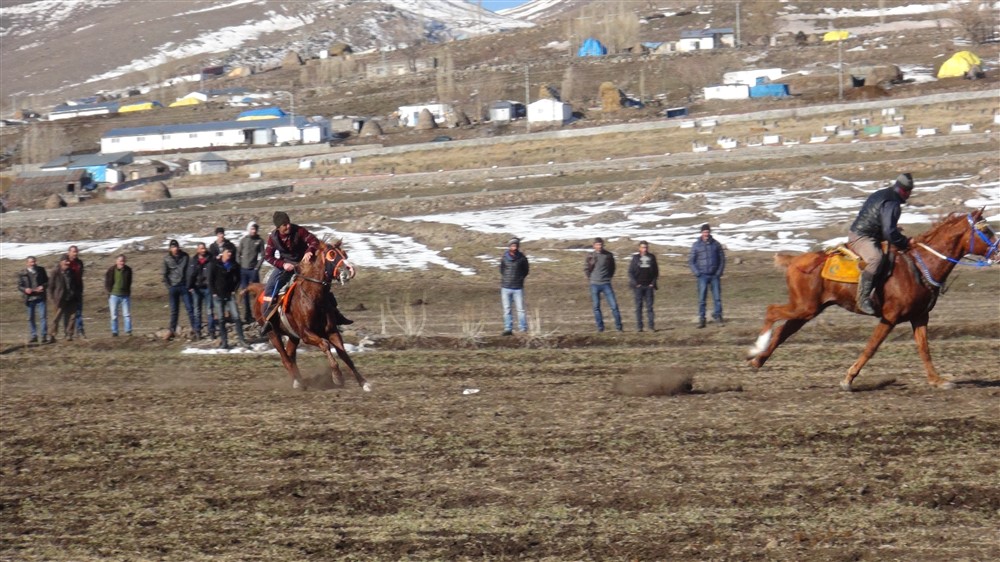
pixel 738 42
pixel 840 69
pixel 642 85
pixel 527 99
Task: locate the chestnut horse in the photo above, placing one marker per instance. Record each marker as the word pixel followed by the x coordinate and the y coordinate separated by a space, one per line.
pixel 909 293
pixel 309 314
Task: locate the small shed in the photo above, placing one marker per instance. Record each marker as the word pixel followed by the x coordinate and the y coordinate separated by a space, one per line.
pixel 100 167
pixel 31 189
pixel 409 115
pixel 769 91
pixel 727 92
pixel 207 163
pixel 751 76
pixel 506 110
pixel 549 111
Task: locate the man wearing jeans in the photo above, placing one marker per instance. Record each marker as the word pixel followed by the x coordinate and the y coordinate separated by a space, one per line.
pixel 201 293
pixel 600 268
pixel 31 282
pixel 642 275
pixel 118 284
pixel 513 270
pixel 249 256
pixel 223 280
pixel 175 272
pixel 707 262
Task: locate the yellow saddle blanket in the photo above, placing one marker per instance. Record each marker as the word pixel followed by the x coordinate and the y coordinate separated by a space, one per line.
pixel 842 265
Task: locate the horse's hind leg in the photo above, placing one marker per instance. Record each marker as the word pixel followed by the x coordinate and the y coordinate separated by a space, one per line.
pixel 770 338
pixel 337 341
pixel 920 336
pixel 878 336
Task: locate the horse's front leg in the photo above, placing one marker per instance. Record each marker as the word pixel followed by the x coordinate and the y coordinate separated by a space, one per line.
pixel 878 336
pixel 337 341
pixel 923 348
pixel 287 355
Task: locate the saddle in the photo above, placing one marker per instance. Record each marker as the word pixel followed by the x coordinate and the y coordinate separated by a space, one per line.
pixel 283 297
pixel 844 266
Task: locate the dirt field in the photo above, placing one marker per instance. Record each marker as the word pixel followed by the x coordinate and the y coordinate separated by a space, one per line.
pixel 577 445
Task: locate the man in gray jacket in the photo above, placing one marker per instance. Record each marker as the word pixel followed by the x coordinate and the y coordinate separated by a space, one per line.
pixel 175 273
pixel 249 256
pixel 600 268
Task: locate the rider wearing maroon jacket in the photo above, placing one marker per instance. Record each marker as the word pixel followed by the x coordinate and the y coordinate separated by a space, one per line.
pixel 287 245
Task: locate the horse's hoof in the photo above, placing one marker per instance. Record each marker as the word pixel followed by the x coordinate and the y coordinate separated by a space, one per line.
pixel 945 385
pixel 296 384
pixel 367 387
pixel 754 363
pixel 846 386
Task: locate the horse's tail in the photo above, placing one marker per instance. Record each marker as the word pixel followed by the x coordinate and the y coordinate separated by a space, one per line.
pixel 782 259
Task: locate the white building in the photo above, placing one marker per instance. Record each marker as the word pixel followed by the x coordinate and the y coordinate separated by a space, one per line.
pixel 549 111
pixel 727 92
pixel 164 138
pixel 705 39
pixel 749 77
pixel 409 114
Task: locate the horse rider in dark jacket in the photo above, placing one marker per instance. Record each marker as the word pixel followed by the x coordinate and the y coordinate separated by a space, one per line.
pixel 876 222
pixel 287 245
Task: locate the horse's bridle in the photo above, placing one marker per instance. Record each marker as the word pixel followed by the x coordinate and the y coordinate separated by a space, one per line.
pixel 332 268
pixel 979 228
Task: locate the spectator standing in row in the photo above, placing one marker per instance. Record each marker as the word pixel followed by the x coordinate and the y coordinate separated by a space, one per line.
pixel 32 282
pixel 215 249
pixel 513 269
pixel 118 284
pixel 600 269
pixel 76 266
pixel 707 262
pixel 224 279
pixel 642 275
pixel 201 293
pixel 249 256
pixel 65 293
pixel 175 276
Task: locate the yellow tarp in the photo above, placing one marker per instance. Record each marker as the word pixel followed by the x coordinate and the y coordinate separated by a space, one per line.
pixel 136 107
pixel 836 35
pixel 958 64
pixel 185 101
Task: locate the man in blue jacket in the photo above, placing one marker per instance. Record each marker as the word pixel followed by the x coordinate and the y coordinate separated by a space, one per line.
pixel 707 262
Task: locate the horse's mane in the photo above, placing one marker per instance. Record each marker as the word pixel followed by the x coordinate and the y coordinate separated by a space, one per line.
pixel 314 268
pixel 942 223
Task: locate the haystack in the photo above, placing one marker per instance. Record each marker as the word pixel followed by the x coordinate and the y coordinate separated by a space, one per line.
pixel 54 202
pixel 155 192
pixel 611 97
pixel 339 50
pixel 883 74
pixel 425 121
pixel 548 91
pixel 291 60
pixel 371 129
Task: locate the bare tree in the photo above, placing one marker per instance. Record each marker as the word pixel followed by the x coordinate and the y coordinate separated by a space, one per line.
pixel 567 84
pixel 974 18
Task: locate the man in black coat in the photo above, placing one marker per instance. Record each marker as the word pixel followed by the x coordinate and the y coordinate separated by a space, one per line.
pixel 642 275
pixel 31 282
pixel 513 269
pixel 877 221
pixel 223 281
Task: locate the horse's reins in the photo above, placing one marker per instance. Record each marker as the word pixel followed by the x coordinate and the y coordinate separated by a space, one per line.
pixel 325 283
pixel 990 247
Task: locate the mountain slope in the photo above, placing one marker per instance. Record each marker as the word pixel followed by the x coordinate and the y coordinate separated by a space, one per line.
pixel 56 47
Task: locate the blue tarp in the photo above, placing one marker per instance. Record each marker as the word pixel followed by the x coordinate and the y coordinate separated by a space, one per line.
pixel 769 90
pixel 262 112
pixel 592 48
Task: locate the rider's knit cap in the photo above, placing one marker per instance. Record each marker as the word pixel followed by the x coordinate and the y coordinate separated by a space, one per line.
pixel 280 218
pixel 905 181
